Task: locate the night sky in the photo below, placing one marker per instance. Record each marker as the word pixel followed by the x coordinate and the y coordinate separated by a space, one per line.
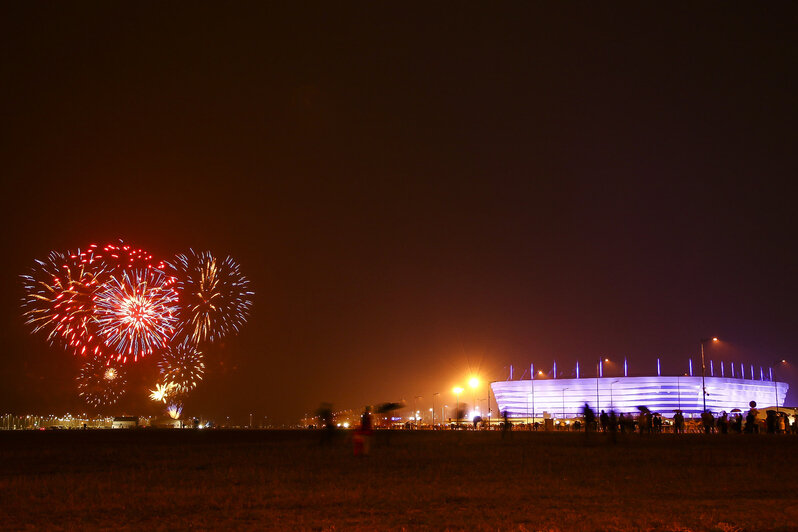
pixel 415 192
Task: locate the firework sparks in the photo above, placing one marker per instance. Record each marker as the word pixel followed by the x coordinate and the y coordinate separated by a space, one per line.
pixel 136 312
pixel 174 410
pixel 59 302
pixel 183 366
pixel 214 294
pixel 162 392
pixel 115 302
pixel 117 255
pixel 100 382
pixel 61 291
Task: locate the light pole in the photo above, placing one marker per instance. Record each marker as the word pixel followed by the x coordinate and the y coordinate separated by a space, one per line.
pixel 433 408
pixel 489 412
pixel 703 372
pixel 775 387
pixel 457 391
pixel 527 408
pixel 474 383
pixel 415 412
pixel 611 403
pixel 599 374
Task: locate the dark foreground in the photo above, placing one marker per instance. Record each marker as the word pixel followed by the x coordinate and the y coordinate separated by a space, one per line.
pixel 146 479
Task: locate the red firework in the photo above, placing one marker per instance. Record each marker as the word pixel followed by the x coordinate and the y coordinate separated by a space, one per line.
pixel 136 312
pixel 61 293
pixel 104 262
pixel 59 302
pixel 117 255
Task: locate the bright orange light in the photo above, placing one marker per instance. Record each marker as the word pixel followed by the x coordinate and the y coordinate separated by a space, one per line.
pixel 457 390
pixel 715 339
pixel 606 360
pixel 540 372
pixel 473 382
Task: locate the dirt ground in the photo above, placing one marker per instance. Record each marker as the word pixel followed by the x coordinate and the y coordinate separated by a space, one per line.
pixel 219 479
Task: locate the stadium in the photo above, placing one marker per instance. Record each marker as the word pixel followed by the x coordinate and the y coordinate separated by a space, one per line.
pixel 564 398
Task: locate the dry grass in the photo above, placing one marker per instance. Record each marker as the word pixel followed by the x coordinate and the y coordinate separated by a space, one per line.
pixel 285 480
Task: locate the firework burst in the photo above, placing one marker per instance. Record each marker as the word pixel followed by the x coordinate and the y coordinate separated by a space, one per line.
pixel 114 302
pixel 174 410
pixel 214 295
pixel 117 256
pixel 136 312
pixel 162 392
pixel 100 382
pixel 59 302
pixel 183 366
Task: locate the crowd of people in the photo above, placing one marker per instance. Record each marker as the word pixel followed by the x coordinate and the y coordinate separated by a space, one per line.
pixel 644 422
pixel 647 422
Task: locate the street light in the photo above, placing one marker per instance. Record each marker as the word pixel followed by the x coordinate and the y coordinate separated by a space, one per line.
pixel 527 407
pixel 433 408
pixel 599 374
pixel 776 364
pixel 611 403
pixel 415 412
pixel 457 390
pixel 704 371
pixel 474 383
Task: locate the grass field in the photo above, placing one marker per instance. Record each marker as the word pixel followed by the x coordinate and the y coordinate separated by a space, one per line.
pixel 216 479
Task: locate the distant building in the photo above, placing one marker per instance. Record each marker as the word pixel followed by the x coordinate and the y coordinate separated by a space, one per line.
pixel 564 398
pixel 125 422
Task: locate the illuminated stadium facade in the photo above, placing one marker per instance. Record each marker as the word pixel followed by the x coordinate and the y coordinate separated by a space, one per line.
pixel 564 398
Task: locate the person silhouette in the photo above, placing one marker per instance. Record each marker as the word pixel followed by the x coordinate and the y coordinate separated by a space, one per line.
pixel 590 418
pixel 678 422
pixel 327 423
pixel 507 425
pixel 361 439
pixel 612 426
